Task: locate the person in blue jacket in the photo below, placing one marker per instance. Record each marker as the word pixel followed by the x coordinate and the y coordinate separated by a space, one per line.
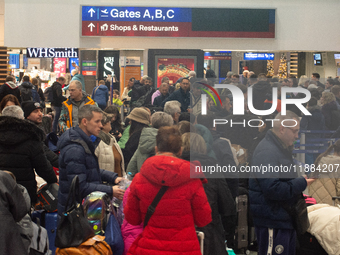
pixel 270 192
pixel 77 146
pixel 100 94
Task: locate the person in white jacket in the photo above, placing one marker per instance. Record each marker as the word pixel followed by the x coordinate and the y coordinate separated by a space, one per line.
pixel 108 152
pixel 327 183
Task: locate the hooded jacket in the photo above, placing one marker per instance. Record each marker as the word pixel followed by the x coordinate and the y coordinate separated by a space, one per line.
pixel 77 158
pixel 21 151
pixel 58 97
pixel 79 77
pixel 69 112
pixel 13 207
pixel 171 229
pixel 10 88
pixel 146 149
pixel 100 95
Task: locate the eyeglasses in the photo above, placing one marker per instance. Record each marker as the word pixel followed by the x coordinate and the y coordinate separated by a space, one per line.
pixel 295 131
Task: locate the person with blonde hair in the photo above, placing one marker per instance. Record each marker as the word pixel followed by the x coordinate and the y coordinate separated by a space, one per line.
pixel 219 197
pixel 327 183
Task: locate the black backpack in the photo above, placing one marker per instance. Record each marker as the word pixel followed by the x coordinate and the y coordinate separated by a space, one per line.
pixel 28 94
pixel 48 93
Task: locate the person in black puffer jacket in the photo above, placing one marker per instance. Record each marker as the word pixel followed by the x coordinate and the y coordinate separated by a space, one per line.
pixel 21 152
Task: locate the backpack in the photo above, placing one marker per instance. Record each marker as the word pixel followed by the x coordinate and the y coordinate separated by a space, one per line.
pixel 48 93
pixel 28 94
pixel 40 243
pixel 48 197
pixel 96 209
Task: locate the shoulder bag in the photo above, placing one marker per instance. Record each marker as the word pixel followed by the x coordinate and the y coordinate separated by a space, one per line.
pixel 73 228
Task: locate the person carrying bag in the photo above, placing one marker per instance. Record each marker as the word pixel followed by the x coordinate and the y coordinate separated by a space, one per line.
pixel 74 233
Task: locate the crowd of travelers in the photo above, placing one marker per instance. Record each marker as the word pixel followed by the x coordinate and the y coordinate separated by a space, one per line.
pixel 159 136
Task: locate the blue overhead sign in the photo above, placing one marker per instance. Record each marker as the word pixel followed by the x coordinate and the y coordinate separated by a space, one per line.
pixel 258 56
pixel 151 14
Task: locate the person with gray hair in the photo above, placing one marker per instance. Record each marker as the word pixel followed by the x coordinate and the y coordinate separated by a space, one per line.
pixel 173 108
pixel 70 107
pixel 147 141
pixel 77 157
pixel 13 111
pixel 77 76
pixel 163 93
pixel 271 193
pixel 192 74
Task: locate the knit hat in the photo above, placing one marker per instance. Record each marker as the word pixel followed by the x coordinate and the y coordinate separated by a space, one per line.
pixel 29 106
pixel 140 115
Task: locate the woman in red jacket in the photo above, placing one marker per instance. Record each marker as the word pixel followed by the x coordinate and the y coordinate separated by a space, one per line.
pixel 171 229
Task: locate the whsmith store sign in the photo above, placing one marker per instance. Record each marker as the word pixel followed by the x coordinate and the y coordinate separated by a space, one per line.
pixel 52 52
pixel 177 22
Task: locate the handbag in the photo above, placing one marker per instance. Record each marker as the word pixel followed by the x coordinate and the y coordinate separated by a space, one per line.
pixel 92 246
pixel 299 214
pixel 73 228
pixel 113 236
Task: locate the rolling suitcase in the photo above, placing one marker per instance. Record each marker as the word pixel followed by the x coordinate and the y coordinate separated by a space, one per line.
pixel 241 232
pixel 48 221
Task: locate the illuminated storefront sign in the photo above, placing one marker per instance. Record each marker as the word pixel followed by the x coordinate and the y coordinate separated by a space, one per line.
pixel 258 56
pixel 177 22
pixel 52 52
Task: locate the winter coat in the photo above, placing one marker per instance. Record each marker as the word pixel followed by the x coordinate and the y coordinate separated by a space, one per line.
pixel 171 229
pixel 324 225
pixel 78 77
pixel 159 99
pixel 129 232
pixel 125 94
pixel 21 152
pixel 10 88
pixel 13 208
pixel 77 158
pixel 260 90
pixel 57 92
pixel 105 155
pixel 100 95
pixel 180 96
pixel 69 112
pixel 223 209
pixel 327 184
pixel 332 115
pixel 267 195
pixel 146 149
pixel 157 93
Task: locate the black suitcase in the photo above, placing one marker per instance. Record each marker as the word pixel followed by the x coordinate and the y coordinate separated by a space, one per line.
pixel 309 245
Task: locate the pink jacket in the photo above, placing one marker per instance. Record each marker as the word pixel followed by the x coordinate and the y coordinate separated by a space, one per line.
pixel 129 232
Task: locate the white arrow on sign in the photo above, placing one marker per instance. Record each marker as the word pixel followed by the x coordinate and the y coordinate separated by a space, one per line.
pixel 91 11
pixel 91 26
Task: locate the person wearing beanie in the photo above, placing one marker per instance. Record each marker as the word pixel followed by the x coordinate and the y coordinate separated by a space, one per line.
pixel 139 119
pixel 33 113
